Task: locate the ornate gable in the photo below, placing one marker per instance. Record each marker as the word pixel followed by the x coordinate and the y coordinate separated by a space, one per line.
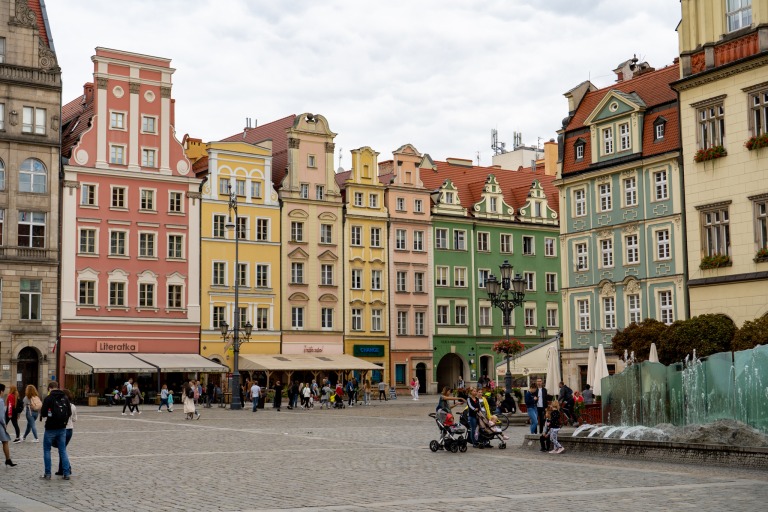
pixel 447 201
pixel 537 209
pixel 615 104
pixel 298 254
pixel 491 204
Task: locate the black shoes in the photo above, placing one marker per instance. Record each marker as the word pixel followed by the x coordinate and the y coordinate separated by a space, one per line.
pixel 45 477
pixel 10 464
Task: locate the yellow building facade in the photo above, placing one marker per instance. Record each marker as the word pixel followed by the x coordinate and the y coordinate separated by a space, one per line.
pixel 247 168
pixel 366 323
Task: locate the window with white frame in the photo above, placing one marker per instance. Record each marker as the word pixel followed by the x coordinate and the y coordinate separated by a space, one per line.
pixel 606 252
pixel 660 181
pixel 529 316
pixel 582 259
pixel 551 279
pixel 528 246
pixel 607 141
pixel 256 189
pixel 530 281
pixel 441 238
pixel 461 315
pixel 311 161
pixel 31 230
pixel 717 232
pixel 663 245
pixel 147 201
pixel 482 277
pixel 219 277
pixel 505 243
pixel 418 206
pixel 304 191
pixel 738 14
pixel 297 231
pixel 373 200
pixel 175 247
pixel 761 223
pixel 219 226
pixel 175 202
pixel 148 157
pixel 609 313
pixel 240 188
pixel 402 323
pixel 441 276
pixel 485 316
pixel 632 248
pixel 400 204
pixel 550 247
pixel 146 295
pixel 376 320
pixel 357 319
pixel 492 204
pixel 356 236
pixel 442 314
pixel 630 191
pixel 117 294
pixel 33 120
pixel 326 233
pixel 297 272
pixel 148 124
pixel 262 230
pixel 375 279
pixel 319 192
pixel 659 129
pixel 262 319
pixel 326 274
pixel 218 316
pixel 147 245
pixel 624 138
pixel 419 319
pixel 242 227
pixel 449 198
pixel 375 237
pixel 606 203
pixel 88 195
pixel 459 240
pixel 582 306
pixel 666 309
pixel 87 241
pixel 418 240
pixel 460 277
pixel 401 281
pixel 358 199
pixel 326 318
pixel 552 317
pixel 86 293
pixel 483 244
pixel 117 243
pixel 580 202
pixel 633 308
pixel 118 197
pixel 357 279
pixel 224 185
pixel 297 317
pixel 711 124
pixel 117 120
pixel 262 275
pixel 418 282
pixel 33 176
pixel 401 240
pixel 758 108
pixel 579 150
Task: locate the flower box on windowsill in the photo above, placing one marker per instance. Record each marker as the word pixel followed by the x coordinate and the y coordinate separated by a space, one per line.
pixel 715 261
pixel 761 256
pixel 712 153
pixel 761 141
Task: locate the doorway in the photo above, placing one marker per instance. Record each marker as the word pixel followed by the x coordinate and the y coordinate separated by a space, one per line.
pixel 421 374
pixel 28 367
pixel 449 369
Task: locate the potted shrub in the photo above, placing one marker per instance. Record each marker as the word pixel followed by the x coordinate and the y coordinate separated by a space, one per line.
pixel 712 153
pixel 762 255
pixel 715 261
pixel 757 142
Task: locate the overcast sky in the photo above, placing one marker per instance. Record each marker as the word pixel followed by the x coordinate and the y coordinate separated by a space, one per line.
pixel 439 74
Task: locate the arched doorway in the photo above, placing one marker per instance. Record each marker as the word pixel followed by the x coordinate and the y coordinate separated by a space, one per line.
pixel 486 367
pixel 449 369
pixel 28 366
pixel 421 374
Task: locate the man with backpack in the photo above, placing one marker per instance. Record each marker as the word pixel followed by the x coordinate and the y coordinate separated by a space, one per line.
pixel 127 393
pixel 56 411
pixel 565 398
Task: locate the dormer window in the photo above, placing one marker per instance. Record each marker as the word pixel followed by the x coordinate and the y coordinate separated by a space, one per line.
pixel 608 141
pixel 659 127
pixel 449 198
pixel 624 136
pixel 492 205
pixel 579 148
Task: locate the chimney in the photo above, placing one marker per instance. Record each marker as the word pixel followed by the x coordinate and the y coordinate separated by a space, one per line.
pixel 88 89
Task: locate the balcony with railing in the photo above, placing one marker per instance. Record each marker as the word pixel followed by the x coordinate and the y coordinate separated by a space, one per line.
pixel 27 253
pixel 27 75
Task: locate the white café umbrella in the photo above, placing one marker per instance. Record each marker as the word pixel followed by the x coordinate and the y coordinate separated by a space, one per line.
pixel 601 370
pixel 653 356
pixel 591 367
pixel 553 369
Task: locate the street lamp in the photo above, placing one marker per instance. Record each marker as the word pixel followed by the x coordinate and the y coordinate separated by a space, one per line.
pixel 506 295
pixel 542 333
pixel 236 336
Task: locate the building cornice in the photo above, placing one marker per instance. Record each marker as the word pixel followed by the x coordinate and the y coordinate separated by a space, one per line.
pixel 721 72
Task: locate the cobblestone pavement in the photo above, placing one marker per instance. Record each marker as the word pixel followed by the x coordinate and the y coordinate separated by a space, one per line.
pixel 357 459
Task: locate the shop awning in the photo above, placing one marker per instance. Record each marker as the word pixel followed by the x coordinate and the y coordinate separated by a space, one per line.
pixel 531 361
pixel 85 363
pixel 298 362
pixel 181 363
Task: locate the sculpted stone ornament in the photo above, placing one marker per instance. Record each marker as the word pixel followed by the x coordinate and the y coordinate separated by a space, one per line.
pixel 633 286
pixel 293 143
pixel 24 17
pixel 47 59
pixel 608 289
pixel 330 147
pixel 165 92
pixel 101 82
pixel 134 87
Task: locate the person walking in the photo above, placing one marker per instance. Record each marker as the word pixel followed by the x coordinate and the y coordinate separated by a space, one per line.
pixel 382 390
pixel 325 397
pixel 56 411
pixel 278 388
pixel 541 403
pixel 135 398
pixel 416 388
pixel 170 400
pixel 209 393
pixel 126 391
pixel 188 399
pixel 367 393
pixel 411 385
pixel 196 389
pixel 70 430
pixel 306 394
pixel 32 405
pixel 13 408
pixel 530 404
pixel 255 396
pixel 5 439
pixel 164 399
pixel 473 403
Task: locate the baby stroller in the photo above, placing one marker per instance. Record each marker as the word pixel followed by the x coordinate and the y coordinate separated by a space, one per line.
pixel 486 431
pixel 453 437
pixel 338 401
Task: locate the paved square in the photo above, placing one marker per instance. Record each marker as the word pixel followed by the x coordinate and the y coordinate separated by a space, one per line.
pixel 361 458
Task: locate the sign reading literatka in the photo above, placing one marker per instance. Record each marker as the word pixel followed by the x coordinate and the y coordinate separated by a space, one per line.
pixel 117 346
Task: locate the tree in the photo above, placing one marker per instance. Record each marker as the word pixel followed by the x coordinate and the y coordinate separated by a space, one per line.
pixel 752 333
pixel 638 338
pixel 707 334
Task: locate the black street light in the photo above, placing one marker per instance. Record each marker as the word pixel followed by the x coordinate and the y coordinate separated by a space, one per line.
pixel 542 333
pixel 506 295
pixel 237 338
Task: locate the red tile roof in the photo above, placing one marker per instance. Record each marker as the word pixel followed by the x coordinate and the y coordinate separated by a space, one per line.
pixel 653 88
pixel 275 130
pixel 37 8
pixel 75 119
pixel 200 165
pixel 469 181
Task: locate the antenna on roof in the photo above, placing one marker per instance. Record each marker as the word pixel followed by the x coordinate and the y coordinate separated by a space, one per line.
pixel 499 148
pixel 340 156
pixel 517 139
pixel 478 158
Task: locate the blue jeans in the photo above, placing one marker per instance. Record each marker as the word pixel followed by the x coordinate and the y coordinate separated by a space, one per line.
pixel 60 436
pixel 533 414
pixel 31 426
pixel 255 403
pixel 472 428
pixel 163 402
pixel 69 437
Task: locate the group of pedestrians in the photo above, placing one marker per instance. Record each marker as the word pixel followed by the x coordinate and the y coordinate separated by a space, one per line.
pixel 59 414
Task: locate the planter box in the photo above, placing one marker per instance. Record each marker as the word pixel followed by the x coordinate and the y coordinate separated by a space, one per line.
pixel 93 400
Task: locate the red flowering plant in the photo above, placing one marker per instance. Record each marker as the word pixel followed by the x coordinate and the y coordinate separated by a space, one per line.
pixel 712 153
pixel 760 141
pixel 510 348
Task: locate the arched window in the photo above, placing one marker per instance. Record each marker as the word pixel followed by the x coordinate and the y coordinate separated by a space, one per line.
pixel 33 176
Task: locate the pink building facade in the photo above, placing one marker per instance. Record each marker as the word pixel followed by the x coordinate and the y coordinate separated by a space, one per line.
pixel 130 216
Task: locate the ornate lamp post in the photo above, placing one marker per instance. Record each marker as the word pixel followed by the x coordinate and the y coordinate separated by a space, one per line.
pixel 235 332
pixel 506 295
pixel 542 333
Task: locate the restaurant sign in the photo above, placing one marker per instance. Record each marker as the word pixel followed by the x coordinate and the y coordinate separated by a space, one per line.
pixel 117 346
pixel 368 350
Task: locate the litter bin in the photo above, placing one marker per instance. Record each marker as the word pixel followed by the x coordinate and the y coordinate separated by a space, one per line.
pixel 93 400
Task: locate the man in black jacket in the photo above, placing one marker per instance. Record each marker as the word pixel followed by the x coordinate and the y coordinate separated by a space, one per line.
pixel 56 411
pixel 541 403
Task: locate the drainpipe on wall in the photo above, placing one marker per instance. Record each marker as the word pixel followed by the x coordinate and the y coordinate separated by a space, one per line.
pixel 200 266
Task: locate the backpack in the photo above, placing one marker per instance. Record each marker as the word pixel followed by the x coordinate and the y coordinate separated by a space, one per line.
pixel 59 411
pixel 35 403
pixel 124 391
pixel 18 407
pixel 190 393
pixel 196 393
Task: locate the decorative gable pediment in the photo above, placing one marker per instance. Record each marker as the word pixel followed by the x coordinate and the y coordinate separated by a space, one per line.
pixel 327 256
pixel 447 200
pixel 298 254
pixel 327 216
pixel 537 209
pixel 298 214
pixel 492 205
pixel 327 297
pixel 614 104
pixel 298 296
pixel 365 169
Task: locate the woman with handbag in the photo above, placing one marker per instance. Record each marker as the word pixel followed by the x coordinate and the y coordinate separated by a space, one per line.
pixel 32 405
pixel 136 398
pixel 14 407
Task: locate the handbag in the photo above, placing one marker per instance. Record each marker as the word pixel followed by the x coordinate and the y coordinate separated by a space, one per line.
pixel 35 403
